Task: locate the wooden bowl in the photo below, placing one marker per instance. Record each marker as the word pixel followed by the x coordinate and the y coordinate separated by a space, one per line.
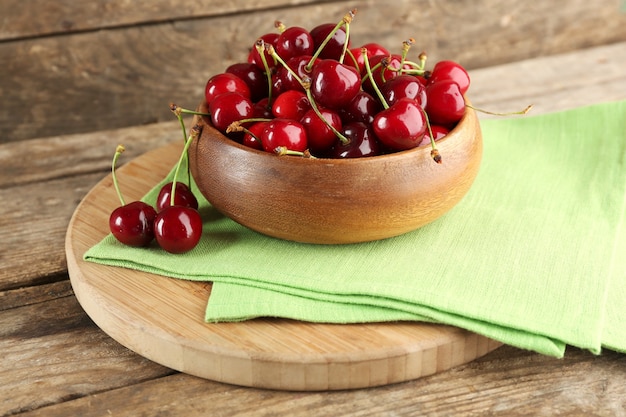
pixel 335 201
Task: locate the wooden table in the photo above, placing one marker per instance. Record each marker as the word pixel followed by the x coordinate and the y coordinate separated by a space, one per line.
pixel 56 362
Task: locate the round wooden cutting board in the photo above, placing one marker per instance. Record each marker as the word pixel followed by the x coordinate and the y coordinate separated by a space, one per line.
pixel 161 318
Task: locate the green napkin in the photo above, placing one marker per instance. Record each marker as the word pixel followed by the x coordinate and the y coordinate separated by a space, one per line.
pixel 533 256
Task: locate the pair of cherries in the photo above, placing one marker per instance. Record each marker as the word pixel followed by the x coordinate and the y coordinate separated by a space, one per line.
pixel 311 92
pixel 175 223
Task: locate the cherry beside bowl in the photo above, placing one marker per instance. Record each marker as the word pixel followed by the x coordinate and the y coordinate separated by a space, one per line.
pixel 335 201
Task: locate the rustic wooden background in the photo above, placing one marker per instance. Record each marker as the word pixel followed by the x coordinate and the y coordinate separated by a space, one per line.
pixel 72 66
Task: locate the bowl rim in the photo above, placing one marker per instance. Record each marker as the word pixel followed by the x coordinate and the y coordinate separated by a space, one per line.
pixel 423 150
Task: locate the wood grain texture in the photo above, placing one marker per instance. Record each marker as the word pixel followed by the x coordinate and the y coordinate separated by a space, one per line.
pixel 59 172
pixel 507 382
pixel 127 75
pixel 67 16
pixel 56 353
pixel 163 319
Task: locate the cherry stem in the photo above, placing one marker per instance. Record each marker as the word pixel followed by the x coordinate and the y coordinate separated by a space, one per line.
pixel 347 18
pixel 524 111
pixel 118 152
pixel 179 111
pixel 406 45
pixel 422 57
pixel 307 87
pixel 260 47
pixel 236 126
pixel 280 26
pixel 366 61
pixel 434 153
pixel 283 150
pixel 195 132
pixel 274 54
pixel 353 58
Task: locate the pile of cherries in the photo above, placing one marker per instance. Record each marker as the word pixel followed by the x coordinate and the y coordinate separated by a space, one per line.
pixel 312 93
pixel 307 93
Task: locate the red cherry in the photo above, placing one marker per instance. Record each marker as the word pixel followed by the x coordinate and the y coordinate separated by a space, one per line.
pixel 333 84
pixel 284 133
pixel 262 109
pixel 291 104
pixel 362 108
pixel 229 107
pixel 283 80
pixel 450 70
pixel 445 104
pixel 439 132
pixel 363 142
pixel 372 49
pixel 251 138
pixel 253 76
pixel 182 197
pixel 334 47
pixel 178 229
pixel 319 134
pixel 404 86
pixel 254 56
pixel 132 224
pixel 294 41
pixel 401 126
pixel 225 83
pixel 381 74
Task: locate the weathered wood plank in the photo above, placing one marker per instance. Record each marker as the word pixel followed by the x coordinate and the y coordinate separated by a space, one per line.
pixel 67 16
pixel 52 352
pixel 552 83
pixel 507 382
pixel 34 295
pixel 71 155
pixel 127 75
pixel 59 172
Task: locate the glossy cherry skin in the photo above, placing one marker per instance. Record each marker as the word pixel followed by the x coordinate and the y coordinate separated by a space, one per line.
pixel 225 83
pixel 178 229
pixel 372 49
pixel 182 197
pixel 401 126
pixel 262 109
pixel 445 103
pixel 133 223
pixel 439 132
pixel 254 56
pixel 253 76
pixel 382 74
pixel 363 142
pixel 319 135
pixel 292 104
pixel 294 41
pixel 362 108
pixel 251 138
pixel 283 80
pixel 333 84
pixel 229 107
pixel 284 133
pixel 404 86
pixel 334 48
pixel 450 70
